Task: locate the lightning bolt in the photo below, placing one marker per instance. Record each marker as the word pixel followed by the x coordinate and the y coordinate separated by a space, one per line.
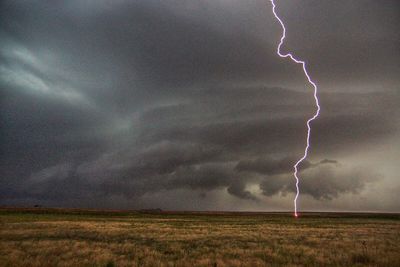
pixel 316 114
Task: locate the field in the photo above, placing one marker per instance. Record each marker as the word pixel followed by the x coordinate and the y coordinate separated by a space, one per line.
pixel 59 237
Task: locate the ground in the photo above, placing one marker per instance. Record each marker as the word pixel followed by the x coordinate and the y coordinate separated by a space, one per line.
pixel 61 237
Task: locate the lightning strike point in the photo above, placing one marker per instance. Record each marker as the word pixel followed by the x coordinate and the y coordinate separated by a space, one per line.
pixel 316 114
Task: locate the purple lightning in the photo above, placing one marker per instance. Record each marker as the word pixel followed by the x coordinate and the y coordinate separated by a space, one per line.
pixel 303 63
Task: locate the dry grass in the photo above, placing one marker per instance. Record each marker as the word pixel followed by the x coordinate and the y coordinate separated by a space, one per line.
pixel 48 238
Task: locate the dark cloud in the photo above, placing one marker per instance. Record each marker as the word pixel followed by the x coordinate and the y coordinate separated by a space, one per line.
pixel 353 40
pixel 238 189
pixel 324 182
pixel 325 161
pixel 274 167
pixel 103 101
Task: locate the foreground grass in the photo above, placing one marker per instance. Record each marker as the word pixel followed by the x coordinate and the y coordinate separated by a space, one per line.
pixel 84 238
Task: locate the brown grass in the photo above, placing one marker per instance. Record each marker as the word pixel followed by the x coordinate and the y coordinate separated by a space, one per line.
pixel 186 239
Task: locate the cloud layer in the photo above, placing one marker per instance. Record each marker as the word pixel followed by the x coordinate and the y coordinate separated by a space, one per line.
pixel 107 103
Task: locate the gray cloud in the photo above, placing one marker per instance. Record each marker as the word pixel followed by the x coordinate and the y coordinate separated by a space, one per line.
pixel 274 167
pixel 104 100
pixel 238 189
pixel 324 182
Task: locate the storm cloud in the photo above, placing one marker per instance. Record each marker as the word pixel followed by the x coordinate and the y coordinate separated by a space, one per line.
pixel 281 166
pixel 113 103
pixel 325 182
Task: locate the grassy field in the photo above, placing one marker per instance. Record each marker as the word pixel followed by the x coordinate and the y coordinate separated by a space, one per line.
pixel 57 237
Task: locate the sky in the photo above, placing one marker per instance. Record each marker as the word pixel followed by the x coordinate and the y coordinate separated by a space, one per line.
pixel 185 105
